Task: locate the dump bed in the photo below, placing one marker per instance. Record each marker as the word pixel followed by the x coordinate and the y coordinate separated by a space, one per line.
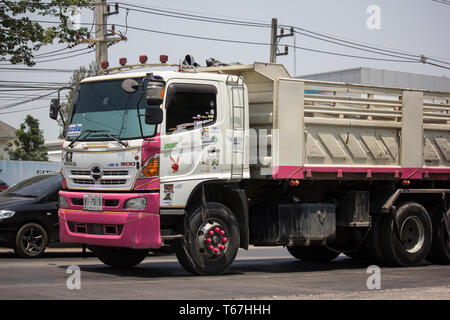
pixel 330 130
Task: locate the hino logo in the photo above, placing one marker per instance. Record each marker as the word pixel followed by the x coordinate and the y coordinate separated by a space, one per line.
pixel 96 173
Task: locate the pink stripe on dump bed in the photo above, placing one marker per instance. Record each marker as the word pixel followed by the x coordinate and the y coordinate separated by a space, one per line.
pixel 295 172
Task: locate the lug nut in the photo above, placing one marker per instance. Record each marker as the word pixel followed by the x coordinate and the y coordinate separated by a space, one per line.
pixel 216 250
pixel 210 247
pixel 211 233
pixel 217 229
pixel 224 239
pixel 221 247
pixel 208 240
pixel 222 232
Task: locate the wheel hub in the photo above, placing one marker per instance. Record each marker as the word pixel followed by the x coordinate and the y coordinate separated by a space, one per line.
pixel 413 234
pixel 212 239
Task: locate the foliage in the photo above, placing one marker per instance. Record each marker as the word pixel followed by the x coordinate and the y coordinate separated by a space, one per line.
pixel 21 36
pixel 29 144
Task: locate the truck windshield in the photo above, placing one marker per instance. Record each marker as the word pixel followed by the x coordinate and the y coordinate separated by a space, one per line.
pixel 105 107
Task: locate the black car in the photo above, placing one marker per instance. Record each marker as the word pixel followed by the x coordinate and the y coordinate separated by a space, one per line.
pixel 29 215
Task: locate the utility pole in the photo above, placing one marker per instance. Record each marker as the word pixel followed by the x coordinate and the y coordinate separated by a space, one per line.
pixel 101 21
pixel 275 39
pixel 102 38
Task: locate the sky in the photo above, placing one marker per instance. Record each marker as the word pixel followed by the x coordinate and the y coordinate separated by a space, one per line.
pixel 409 26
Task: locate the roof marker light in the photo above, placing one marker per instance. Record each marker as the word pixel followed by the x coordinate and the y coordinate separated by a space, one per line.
pixel 143 59
pixel 163 58
pixel 123 61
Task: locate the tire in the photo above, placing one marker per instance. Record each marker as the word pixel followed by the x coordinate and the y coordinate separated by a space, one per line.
pixel 411 243
pixel 120 258
pixel 312 253
pixel 31 241
pixel 200 257
pixel 375 245
pixel 440 246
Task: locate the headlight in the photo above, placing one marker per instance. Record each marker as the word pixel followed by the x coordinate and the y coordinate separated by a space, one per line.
pixel 63 201
pixel 5 214
pixel 136 203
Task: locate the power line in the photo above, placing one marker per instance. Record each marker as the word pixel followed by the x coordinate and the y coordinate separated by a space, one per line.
pixel 26 101
pixel 23 110
pixel 169 13
pixel 74 55
pixel 260 43
pixel 15 69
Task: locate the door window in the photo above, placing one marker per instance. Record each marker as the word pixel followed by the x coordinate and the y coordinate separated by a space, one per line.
pixel 189 106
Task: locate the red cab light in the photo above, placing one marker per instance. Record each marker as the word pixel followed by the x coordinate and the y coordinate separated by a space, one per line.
pixel 123 61
pixel 143 59
pixel 163 58
pixel 105 64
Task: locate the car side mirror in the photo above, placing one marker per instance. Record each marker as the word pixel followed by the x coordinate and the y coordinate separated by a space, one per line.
pixel 54 109
pixel 153 115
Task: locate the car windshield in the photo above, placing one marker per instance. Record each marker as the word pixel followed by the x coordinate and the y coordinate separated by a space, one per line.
pixel 35 187
pixel 104 108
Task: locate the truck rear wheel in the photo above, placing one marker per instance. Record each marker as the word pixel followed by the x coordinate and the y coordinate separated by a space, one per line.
pixel 375 245
pixel 313 253
pixel 440 246
pixel 120 258
pixel 406 235
pixel 209 247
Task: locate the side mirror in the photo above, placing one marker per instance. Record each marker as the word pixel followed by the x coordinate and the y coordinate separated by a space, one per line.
pixel 155 93
pixel 54 109
pixel 153 115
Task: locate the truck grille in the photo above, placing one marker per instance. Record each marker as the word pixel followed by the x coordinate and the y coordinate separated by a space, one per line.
pixel 102 181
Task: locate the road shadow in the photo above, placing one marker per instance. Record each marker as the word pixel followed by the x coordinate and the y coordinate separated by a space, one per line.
pixel 171 269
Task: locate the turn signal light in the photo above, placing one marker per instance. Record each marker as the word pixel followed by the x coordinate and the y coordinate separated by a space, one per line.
pixel 152 168
pixel 294 183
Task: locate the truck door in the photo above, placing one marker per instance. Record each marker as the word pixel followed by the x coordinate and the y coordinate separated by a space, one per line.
pixel 190 136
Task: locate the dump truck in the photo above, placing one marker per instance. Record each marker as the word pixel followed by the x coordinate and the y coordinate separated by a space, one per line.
pixel 209 160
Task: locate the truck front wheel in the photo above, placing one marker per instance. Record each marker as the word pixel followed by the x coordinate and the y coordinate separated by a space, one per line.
pixel 313 253
pixel 120 258
pixel 209 247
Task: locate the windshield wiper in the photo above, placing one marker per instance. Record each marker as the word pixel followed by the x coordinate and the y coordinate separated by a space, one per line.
pixel 89 131
pixel 114 137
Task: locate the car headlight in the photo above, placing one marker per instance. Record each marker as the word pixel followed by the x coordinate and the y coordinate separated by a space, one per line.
pixel 5 214
pixel 63 201
pixel 136 203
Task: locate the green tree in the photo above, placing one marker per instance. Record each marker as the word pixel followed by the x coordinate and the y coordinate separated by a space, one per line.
pixel 21 36
pixel 78 75
pixel 29 144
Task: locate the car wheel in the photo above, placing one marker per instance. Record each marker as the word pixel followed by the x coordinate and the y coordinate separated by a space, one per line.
pixel 31 241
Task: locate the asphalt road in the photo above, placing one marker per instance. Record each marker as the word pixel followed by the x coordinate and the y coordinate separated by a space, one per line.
pixel 259 273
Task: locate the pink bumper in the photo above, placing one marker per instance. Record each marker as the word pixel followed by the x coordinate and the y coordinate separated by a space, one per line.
pixel 114 226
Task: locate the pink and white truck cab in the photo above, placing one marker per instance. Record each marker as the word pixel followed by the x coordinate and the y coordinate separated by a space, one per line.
pixel 210 160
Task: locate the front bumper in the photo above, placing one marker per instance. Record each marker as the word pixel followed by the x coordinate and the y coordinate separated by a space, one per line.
pixel 114 226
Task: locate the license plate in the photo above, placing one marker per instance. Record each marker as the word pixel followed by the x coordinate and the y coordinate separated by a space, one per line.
pixel 92 202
